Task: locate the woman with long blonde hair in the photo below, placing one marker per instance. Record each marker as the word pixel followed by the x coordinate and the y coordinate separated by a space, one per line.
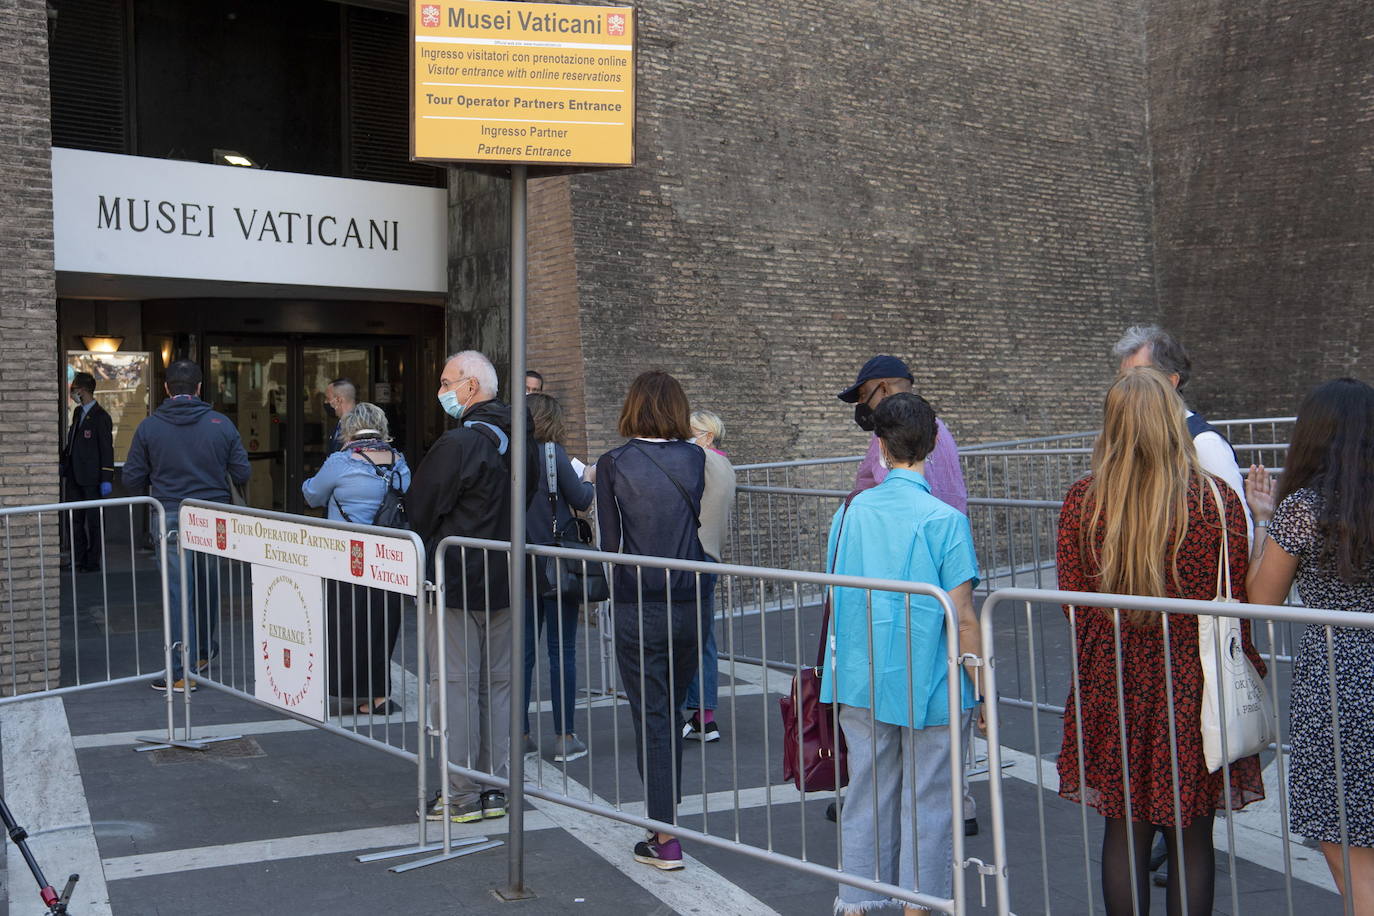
pixel 1146 522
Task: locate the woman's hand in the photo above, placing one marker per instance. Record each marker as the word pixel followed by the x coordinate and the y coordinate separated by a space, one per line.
pixel 1259 493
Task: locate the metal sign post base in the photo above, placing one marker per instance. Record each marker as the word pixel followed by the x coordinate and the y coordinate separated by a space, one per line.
pixel 509 895
pixel 188 744
pixel 468 846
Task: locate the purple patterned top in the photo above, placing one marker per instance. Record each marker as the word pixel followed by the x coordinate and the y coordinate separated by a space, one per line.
pixel 942 471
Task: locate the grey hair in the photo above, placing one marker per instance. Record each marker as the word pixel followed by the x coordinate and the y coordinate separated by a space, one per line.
pixel 474 364
pixel 1166 353
pixel 345 389
pixel 364 418
pixel 711 422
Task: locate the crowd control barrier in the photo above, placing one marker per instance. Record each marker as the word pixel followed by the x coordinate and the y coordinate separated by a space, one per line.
pixel 733 795
pixel 1038 875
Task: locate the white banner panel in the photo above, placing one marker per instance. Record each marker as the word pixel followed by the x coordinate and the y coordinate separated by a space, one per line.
pixel 288 641
pixel 387 563
pixel 136 216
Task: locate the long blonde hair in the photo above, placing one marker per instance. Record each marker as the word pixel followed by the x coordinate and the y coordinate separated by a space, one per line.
pixel 1143 465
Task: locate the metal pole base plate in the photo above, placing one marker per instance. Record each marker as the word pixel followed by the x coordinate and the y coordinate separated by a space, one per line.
pixel 188 744
pixel 483 844
pixel 510 895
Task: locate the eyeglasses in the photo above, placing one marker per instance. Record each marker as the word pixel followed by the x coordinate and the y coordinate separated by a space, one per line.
pixel 445 385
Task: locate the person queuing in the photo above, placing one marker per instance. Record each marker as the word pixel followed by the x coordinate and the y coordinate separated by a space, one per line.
pixel 1316 528
pixel 558 492
pixel 462 488
pixel 534 382
pixel 1146 481
pixel 185 450
pixel 361 625
pixel 87 468
pixel 717 500
pixel 340 397
pixel 886 665
pixel 648 496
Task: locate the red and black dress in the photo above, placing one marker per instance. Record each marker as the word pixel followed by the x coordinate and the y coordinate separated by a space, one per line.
pixel 1101 781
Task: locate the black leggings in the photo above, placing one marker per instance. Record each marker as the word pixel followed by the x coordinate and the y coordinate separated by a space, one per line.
pixel 1199 861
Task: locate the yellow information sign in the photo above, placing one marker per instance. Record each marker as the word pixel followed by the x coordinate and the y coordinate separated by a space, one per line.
pixel 546 83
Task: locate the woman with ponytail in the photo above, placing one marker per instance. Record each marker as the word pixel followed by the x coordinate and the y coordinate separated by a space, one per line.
pixel 1145 522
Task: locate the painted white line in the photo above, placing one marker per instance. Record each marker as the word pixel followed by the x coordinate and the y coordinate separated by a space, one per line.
pixel 44 790
pixel 1259 832
pixel 698 889
pixel 296 847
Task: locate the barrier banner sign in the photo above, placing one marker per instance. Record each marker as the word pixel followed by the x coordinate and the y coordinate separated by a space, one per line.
pixel 288 641
pixel 515 82
pixel 354 557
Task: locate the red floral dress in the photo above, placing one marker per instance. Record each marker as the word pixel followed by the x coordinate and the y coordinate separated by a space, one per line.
pixel 1146 703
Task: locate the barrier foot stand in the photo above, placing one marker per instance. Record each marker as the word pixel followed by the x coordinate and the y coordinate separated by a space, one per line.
pixel 983 771
pixel 406 851
pixel 511 895
pixel 188 744
pixel 470 844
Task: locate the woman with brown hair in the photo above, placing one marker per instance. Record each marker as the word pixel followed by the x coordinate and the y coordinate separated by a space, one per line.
pixel 648 502
pixel 1321 536
pixel 1146 522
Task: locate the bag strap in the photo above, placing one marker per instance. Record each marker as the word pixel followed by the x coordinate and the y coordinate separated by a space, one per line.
pixel 339 506
pixel 825 614
pixel 696 517
pixel 1224 553
pixel 551 477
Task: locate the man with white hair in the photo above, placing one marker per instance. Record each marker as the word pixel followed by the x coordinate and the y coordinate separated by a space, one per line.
pixel 462 488
pixel 1153 347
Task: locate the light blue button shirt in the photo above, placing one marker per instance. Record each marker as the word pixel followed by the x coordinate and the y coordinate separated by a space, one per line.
pixel 896 530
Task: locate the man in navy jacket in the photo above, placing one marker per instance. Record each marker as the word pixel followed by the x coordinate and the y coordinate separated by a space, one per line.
pixel 87 468
pixel 186 450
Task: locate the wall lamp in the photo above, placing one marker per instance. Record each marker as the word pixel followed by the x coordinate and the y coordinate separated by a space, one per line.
pixel 232 157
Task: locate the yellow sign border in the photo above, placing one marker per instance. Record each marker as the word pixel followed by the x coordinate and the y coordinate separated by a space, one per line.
pixel 559 167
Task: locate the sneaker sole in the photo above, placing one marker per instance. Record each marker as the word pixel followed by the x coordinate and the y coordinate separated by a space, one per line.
pixel 660 864
pixel 468 818
pixel 569 758
pixel 491 813
pixel 706 739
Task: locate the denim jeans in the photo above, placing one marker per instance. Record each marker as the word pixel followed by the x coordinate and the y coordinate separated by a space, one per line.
pixel 202 578
pixel 561 626
pixel 906 838
pixel 656 653
pixel 702 692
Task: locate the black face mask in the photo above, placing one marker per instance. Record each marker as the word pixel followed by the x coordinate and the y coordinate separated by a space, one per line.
pixel 329 411
pixel 863 416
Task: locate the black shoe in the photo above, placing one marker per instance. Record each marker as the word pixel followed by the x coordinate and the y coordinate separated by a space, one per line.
pixel 695 731
pixel 832 811
pixel 970 826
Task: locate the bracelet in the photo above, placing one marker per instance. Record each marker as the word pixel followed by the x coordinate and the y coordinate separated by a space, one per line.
pixel 1261 524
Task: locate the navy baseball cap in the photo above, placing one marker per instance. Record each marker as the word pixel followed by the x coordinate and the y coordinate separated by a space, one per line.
pixel 877 367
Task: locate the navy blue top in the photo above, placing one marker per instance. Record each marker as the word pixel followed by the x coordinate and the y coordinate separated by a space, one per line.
pixel 640 511
pixel 573 493
pixel 183 451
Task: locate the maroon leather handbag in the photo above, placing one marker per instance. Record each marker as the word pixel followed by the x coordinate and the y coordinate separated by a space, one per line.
pixel 813 748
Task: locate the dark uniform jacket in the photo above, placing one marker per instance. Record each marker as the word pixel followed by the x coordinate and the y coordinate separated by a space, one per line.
pixel 88 456
pixel 462 488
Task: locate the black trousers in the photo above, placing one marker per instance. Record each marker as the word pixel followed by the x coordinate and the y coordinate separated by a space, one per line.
pixel 361 626
pixel 656 652
pixel 85 526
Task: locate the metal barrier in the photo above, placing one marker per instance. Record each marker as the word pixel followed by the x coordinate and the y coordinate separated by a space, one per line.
pixel 1016 877
pixel 720 804
pixel 84 597
pixel 312 619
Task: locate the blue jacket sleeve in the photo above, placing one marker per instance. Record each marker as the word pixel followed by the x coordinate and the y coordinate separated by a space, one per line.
pixel 239 468
pixel 607 512
pixel 135 474
pixel 575 491
pixel 318 489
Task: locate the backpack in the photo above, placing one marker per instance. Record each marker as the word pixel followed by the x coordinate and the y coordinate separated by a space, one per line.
pixel 392 512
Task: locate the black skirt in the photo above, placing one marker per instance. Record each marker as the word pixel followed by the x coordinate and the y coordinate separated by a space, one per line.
pixel 361 627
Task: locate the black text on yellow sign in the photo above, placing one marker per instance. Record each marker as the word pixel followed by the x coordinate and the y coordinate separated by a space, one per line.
pixel 538 83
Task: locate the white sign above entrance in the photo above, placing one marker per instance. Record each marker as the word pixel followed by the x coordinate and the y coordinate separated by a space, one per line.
pixel 135 216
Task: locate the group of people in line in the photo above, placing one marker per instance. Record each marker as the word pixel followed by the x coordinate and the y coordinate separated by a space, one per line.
pixel 1164 501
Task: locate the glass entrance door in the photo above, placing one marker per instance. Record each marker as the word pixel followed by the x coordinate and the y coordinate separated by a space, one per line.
pixel 248 382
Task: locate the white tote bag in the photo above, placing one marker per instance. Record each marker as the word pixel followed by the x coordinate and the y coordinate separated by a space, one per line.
pixel 1232 690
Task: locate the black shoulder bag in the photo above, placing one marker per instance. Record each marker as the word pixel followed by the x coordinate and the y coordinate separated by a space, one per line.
pixel 574 581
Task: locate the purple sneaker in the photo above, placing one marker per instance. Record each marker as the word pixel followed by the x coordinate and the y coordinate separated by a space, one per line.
pixel 666 856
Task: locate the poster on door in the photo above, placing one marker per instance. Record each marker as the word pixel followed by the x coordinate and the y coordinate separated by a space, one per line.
pixel 288 640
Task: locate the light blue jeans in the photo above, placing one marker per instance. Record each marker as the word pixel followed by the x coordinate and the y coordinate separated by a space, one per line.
pixel 911 843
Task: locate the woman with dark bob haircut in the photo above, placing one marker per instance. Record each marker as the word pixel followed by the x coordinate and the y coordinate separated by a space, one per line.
pixel 648 502
pixel 1321 535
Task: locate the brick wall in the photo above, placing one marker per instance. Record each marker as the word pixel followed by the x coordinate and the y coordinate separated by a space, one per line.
pixel 1262 142
pixel 478 310
pixel 29 393
pixel 966 186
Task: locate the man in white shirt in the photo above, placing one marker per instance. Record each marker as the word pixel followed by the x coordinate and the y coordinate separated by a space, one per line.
pixel 1151 345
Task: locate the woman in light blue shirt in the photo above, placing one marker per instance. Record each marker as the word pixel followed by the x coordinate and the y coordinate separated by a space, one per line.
pixel 361 623
pixel 886 665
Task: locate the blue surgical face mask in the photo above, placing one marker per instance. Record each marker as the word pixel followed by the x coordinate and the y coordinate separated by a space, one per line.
pixel 449 401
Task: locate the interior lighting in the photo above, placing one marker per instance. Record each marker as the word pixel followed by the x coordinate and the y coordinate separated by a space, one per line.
pixel 232 157
pixel 104 343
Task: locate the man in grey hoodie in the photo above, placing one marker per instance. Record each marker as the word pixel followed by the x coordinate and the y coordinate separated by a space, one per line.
pixel 186 450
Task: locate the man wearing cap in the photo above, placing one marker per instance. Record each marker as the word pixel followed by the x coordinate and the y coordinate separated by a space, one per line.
pixel 880 377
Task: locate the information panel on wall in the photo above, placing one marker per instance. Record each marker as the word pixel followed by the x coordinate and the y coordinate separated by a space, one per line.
pixel 535 83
